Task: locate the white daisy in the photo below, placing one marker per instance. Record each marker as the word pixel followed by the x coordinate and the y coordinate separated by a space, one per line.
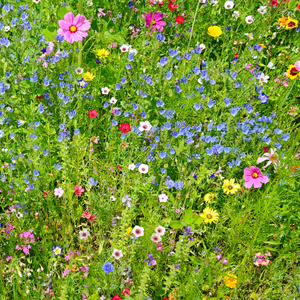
pixel 84 234
pixel 117 254
pixel 143 169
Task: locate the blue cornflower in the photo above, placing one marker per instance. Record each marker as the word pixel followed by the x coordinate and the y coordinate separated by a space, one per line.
pixel 169 183
pixel 108 267
pixel 93 182
pixel 178 185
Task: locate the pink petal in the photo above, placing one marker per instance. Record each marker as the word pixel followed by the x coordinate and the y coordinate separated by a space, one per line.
pixel 248 177
pixel 69 17
pixel 264 179
pixel 254 169
pixel 82 33
pixel 257 183
pixel 261 159
pixel 247 171
pixel 78 20
pixel 269 162
pixel 68 37
pixel 248 184
pixel 77 37
pixel 63 24
pixel 85 26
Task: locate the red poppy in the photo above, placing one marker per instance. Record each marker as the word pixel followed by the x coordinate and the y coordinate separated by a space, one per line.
pixel 127 291
pixel 179 20
pixel 119 167
pixel 38 98
pixel 125 127
pixel 236 55
pixel 172 6
pixel 116 297
pixel 298 7
pixel 93 113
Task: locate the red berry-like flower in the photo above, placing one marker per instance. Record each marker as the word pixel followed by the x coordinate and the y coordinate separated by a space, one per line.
pixel 127 291
pixel 93 113
pixel 116 297
pixel 266 149
pixel 125 127
pixel 179 20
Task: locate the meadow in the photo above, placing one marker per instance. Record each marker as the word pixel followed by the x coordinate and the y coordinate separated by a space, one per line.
pixel 149 149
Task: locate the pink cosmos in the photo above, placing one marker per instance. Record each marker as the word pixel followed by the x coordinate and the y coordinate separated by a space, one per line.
pixel 271 157
pixel 155 21
pixel 253 176
pixel 297 65
pixel 73 29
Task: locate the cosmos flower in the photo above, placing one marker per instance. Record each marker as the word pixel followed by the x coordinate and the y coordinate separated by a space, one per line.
pixel 254 177
pixel 272 157
pixel 73 29
pixel 155 21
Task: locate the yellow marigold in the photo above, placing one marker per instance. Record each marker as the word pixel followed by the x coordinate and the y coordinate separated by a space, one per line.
pixel 88 76
pixel 103 53
pixel 231 280
pixel 292 73
pixel 229 187
pixel 208 197
pixel 214 31
pixel 209 215
pixel 282 21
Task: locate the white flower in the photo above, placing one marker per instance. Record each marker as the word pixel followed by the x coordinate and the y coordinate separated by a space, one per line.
pixel 160 230
pixel 117 253
pixel 263 78
pixel 113 100
pixel 229 4
pixel 145 126
pixel 36 1
pixel 105 90
pixel 155 238
pixel 90 3
pixel 262 9
pixel 236 14
pixel 19 215
pixel 213 2
pixel 163 198
pixel 143 169
pixel 124 48
pixel 131 167
pixel 6 28
pixel 84 234
pixel 202 46
pixel 133 51
pixel 249 19
pixel 200 81
pixel 270 65
pixel 79 71
pixel 138 231
pixel 112 198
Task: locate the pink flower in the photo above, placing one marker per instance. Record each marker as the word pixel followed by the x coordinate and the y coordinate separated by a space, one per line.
pixel 78 190
pixel 225 261
pixel 271 157
pixel 73 29
pixel 114 110
pixel 65 273
pixel 297 65
pixel 219 256
pixel 101 13
pixel 155 21
pixel 58 192
pixel 253 176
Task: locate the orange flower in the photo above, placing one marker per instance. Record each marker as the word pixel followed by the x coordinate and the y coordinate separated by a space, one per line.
pixel 231 280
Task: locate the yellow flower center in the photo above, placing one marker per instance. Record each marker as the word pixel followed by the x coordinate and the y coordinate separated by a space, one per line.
pixel 230 187
pixel 73 28
pixel 153 22
pixel 254 175
pixel 209 216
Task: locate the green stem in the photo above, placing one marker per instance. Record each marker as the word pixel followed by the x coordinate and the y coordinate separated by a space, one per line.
pixel 80 9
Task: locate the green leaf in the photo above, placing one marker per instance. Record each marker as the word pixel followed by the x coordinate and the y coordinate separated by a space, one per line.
pixel 64 10
pixel 188 215
pixel 128 297
pixel 49 36
pixel 198 220
pixel 176 224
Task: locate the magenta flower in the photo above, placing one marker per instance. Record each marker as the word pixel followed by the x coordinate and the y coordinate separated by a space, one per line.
pixel 73 29
pixel 155 21
pixel 253 176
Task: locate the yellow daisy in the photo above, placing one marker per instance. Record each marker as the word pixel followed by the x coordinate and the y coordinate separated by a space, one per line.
pixel 208 197
pixel 88 76
pixel 229 187
pixel 209 215
pixel 292 73
pixel 291 23
pixel 103 53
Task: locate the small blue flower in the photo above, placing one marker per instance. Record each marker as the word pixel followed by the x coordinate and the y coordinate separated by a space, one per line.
pixel 108 267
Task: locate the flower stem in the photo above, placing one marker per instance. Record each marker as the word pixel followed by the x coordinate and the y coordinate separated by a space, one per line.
pixel 80 10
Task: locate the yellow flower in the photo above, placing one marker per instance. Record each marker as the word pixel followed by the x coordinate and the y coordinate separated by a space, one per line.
pixel 209 215
pixel 292 73
pixel 229 187
pixel 282 21
pixel 291 23
pixel 214 31
pixel 231 280
pixel 208 197
pixel 129 232
pixel 88 76
pixel 103 53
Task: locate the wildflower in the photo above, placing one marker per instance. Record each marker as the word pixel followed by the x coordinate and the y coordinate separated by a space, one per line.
pixel 155 21
pixel 82 83
pixel 93 182
pixel 179 20
pixel 125 127
pixel 88 76
pixel 149 259
pixel 126 199
pixel 297 65
pixel 253 176
pixel 19 215
pixel 73 29
pixel 163 198
pixel 101 13
pixel 272 157
pixel 126 291
pixel 57 250
pixel 229 187
pixel 138 231
pixel 105 90
pixel 219 256
pixel 58 192
pixel 113 100
pixel 292 72
pixel 103 53
pixel 108 267
pixel 145 126
pixel 143 169
pixel 131 167
pixel 291 23
pixel 93 113
pixel 116 297
pixel 249 19
pixel 214 31
pixel 155 238
pixel 229 4
pixel 231 280
pixel 129 232
pixel 209 215
pixel 160 230
pixel 208 197
pixel 117 254
pixel 84 234
pixel 78 190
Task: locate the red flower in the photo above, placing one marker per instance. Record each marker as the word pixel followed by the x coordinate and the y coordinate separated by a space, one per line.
pixel 38 98
pixel 179 20
pixel 93 113
pixel 78 190
pixel 172 6
pixel 119 167
pixel 125 127
pixel 116 297
pixel 298 7
pixel 266 149
pixel 160 2
pixel 165 299
pixel 127 291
